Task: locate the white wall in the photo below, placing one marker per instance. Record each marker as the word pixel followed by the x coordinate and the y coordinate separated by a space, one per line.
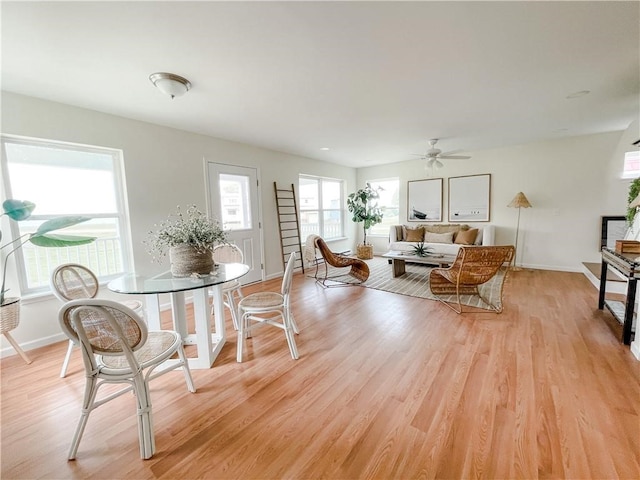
pixel 164 168
pixel 570 182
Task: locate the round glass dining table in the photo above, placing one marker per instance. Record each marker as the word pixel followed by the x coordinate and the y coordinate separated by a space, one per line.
pixel 207 341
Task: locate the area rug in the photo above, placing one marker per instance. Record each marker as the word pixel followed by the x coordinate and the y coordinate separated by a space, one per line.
pixel 414 283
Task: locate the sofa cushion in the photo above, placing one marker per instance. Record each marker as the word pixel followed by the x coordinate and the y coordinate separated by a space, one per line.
pixel 466 237
pixel 430 237
pixel 413 234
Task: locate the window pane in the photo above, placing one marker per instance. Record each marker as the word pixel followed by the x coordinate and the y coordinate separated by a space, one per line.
pixel 309 194
pixel 332 224
pixel 309 224
pixel 235 201
pixel 631 164
pixel 62 182
pixel 331 194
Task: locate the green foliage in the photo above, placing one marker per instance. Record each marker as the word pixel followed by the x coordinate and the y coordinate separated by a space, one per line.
pixel 634 191
pixel 363 209
pixel 420 250
pixel 193 228
pixel 19 210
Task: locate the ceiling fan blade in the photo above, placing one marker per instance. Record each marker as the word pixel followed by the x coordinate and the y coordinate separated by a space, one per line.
pixel 454 157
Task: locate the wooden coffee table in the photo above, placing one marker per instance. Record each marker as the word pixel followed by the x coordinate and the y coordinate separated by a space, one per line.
pixel 399 259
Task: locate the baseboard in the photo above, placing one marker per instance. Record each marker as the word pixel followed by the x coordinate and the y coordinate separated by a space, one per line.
pixel 635 349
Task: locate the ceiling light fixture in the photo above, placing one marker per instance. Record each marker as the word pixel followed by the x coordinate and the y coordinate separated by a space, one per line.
pixel 324 149
pixel 170 83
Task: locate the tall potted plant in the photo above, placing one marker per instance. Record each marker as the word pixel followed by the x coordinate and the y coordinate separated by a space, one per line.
pixel 364 208
pixel 18 210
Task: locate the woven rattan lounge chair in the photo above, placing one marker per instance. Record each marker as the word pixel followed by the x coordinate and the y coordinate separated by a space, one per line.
pixel 473 266
pixel 359 268
pixel 269 308
pixel 117 348
pixel 72 281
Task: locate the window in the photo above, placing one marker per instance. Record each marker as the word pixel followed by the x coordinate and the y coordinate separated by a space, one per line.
pixel 65 179
pixel 321 207
pixel 389 203
pixel 631 167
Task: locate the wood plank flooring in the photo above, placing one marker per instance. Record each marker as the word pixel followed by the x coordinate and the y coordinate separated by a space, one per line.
pixel 386 387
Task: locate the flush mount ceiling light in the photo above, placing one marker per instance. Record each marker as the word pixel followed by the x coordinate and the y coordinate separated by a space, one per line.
pixel 170 83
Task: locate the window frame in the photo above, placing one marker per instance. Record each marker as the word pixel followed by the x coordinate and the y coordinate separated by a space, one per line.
pixel 121 215
pixel 321 210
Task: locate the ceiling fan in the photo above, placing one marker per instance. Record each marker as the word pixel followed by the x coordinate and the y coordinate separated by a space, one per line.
pixel 434 155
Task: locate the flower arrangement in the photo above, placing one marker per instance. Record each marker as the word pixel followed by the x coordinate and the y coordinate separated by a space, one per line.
pixel 19 210
pixel 192 228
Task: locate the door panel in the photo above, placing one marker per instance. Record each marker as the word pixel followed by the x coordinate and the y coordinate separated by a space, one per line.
pixel 233 199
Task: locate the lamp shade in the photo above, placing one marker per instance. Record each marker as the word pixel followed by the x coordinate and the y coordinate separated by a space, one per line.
pixel 635 202
pixel 519 201
pixel 170 83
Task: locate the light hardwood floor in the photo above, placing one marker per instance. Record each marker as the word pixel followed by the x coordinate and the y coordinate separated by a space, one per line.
pixel 386 386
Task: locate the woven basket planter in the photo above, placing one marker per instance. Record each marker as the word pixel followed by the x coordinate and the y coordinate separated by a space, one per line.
pixel 9 314
pixel 186 260
pixel 364 252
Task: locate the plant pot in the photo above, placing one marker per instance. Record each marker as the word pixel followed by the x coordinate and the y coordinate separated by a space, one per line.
pixel 186 260
pixel 9 314
pixel 364 252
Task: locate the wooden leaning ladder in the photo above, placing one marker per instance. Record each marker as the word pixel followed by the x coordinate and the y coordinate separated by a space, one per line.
pixel 288 224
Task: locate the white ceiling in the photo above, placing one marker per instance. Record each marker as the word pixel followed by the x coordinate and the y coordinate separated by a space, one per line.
pixel 373 81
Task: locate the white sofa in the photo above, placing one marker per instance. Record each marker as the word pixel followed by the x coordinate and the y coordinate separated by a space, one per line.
pixel 439 243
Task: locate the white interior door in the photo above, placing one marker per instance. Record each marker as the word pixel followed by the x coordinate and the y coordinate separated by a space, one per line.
pixel 234 201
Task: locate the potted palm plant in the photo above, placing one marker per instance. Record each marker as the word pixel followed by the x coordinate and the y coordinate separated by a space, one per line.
pixel 189 239
pixel 18 210
pixel 364 208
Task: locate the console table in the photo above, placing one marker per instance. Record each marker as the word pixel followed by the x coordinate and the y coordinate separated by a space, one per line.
pixel 629 266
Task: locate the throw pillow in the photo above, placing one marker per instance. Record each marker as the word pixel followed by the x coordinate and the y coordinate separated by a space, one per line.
pixel 414 234
pixel 466 237
pixel 438 237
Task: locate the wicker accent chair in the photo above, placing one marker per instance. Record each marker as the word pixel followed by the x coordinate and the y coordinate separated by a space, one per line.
pixel 473 266
pixel 255 306
pixel 72 281
pixel 359 268
pixel 118 348
pixel 228 253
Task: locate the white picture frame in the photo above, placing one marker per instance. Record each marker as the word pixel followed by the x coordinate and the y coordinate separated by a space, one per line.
pixel 469 198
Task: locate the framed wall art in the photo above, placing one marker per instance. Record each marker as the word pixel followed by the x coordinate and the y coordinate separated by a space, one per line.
pixel 469 198
pixel 424 200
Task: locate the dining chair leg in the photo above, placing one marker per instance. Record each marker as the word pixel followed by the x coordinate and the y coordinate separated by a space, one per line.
pixel 90 390
pixel 67 357
pixel 289 332
pixel 240 346
pixel 145 417
pixel 187 371
pixel 231 304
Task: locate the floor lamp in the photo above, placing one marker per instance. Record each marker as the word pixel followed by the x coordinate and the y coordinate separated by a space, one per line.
pixel 519 201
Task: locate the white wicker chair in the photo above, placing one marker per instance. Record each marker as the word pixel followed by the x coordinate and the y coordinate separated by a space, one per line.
pixel 254 306
pixel 117 348
pixel 72 281
pixel 228 253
